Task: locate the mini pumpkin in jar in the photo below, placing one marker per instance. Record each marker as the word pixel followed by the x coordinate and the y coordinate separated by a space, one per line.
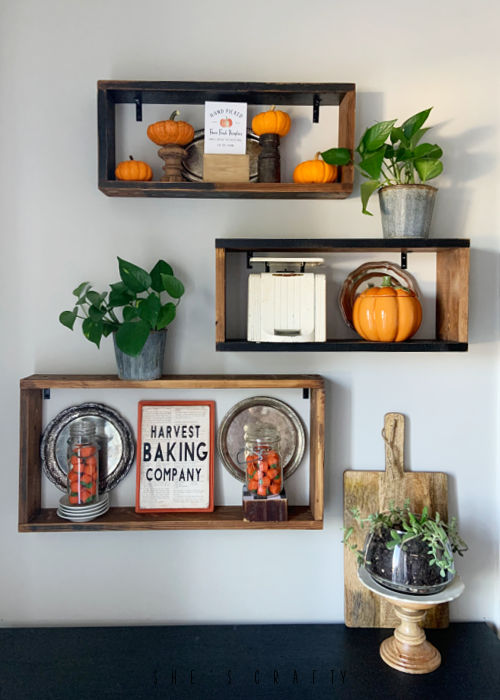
pixel 264 472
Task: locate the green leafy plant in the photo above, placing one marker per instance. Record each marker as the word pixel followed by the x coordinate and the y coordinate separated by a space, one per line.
pixel 392 155
pixel 139 298
pixel 432 530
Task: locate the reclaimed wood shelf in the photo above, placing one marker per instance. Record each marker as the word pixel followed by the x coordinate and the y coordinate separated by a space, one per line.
pixel 452 290
pixel 34 518
pixel 137 93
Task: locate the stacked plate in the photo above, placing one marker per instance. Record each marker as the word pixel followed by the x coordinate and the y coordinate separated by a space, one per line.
pixel 82 514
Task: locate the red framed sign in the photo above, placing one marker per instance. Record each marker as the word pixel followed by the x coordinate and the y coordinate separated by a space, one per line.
pixel 175 456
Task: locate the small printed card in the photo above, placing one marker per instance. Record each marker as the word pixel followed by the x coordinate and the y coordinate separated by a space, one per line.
pixel 226 127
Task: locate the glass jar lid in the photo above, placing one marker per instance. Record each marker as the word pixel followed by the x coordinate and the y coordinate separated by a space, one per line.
pixel 82 430
pixel 261 432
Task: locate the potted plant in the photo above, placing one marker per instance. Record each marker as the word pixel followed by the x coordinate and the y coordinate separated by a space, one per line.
pixel 136 311
pixel 408 552
pixel 397 165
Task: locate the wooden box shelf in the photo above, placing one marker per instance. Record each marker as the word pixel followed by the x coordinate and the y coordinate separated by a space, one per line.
pixel 34 518
pixel 137 93
pixel 452 290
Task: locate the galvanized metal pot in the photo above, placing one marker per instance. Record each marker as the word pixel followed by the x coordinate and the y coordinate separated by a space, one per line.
pixel 406 210
pixel 148 364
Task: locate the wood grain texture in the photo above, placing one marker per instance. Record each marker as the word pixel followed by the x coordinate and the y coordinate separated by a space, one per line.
pixel 33 518
pixel 29 454
pixel 347 123
pixel 177 381
pixel 452 294
pixel 372 491
pixel 125 518
pixel 220 295
pixel 317 453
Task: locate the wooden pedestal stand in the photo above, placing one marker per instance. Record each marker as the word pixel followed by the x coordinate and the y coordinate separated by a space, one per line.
pixel 172 154
pixel 408 650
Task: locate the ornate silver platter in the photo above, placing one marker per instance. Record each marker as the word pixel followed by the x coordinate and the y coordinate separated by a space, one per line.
pixel 192 165
pixel 264 409
pixel 114 435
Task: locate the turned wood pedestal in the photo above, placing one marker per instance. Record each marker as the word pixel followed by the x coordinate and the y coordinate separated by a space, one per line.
pixel 408 649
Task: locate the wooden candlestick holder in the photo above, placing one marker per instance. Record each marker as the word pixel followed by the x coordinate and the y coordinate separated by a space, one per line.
pixel 173 155
pixel 408 649
pixel 269 165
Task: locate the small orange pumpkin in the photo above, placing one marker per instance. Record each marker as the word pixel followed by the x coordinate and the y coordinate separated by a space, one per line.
pixel 133 170
pixel 314 171
pixel 387 313
pixel 170 131
pixel 274 121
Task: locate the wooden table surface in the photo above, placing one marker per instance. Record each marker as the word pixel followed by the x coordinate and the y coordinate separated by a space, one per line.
pixel 244 662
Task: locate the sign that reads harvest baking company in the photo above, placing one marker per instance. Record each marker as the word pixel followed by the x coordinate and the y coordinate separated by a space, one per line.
pixel 175 456
pixel 226 127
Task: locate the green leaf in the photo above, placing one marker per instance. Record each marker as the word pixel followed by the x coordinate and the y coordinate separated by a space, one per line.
pixel 149 309
pixel 129 313
pixel 68 318
pixel 120 295
pixel 92 330
pixel 428 150
pixel 397 134
pixel 376 135
pixel 418 135
pixel 78 291
pixel 367 189
pixel 371 165
pixel 156 273
pixel 108 327
pixel 95 298
pixel 166 315
pixel 135 278
pixel 337 156
pixel 131 337
pixel 413 124
pixel 172 285
pixel 96 314
pixel 428 168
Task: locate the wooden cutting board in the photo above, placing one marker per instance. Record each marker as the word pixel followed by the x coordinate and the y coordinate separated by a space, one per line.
pixel 372 491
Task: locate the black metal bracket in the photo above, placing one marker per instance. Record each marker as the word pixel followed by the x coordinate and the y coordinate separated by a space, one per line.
pixel 316 103
pixel 138 108
pixel 404 260
pixel 46 393
pixel 305 393
pixel 249 255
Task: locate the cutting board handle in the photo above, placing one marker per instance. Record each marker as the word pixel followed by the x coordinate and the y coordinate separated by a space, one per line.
pixel 394 437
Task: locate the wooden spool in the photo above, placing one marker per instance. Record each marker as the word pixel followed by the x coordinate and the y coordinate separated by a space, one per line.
pixel 173 155
pixel 269 158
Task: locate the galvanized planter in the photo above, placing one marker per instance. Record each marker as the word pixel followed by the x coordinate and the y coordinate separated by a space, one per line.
pixel 406 210
pixel 148 364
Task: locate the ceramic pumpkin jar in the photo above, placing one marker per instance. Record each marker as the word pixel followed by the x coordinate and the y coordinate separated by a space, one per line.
pixel 314 171
pixel 133 170
pixel 170 131
pixel 387 313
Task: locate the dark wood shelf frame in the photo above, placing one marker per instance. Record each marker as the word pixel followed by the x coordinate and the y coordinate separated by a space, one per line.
pixel 452 290
pixel 112 92
pixel 34 518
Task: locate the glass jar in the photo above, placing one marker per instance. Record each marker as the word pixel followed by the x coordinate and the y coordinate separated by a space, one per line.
pixel 263 473
pixel 83 463
pixel 404 568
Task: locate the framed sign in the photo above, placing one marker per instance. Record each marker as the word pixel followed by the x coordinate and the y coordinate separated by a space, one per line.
pixel 175 456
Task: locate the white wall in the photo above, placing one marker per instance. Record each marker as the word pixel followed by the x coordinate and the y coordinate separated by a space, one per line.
pixel 58 229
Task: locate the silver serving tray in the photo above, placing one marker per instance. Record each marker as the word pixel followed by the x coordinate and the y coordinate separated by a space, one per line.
pixel 264 409
pixel 192 164
pixel 114 435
